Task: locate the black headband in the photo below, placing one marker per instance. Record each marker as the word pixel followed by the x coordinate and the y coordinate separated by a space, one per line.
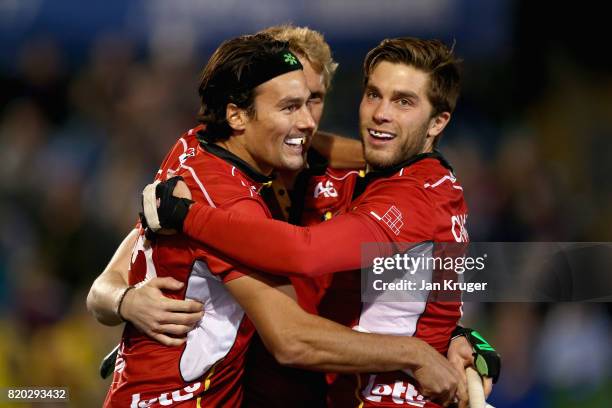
pixel 261 68
pixel 269 66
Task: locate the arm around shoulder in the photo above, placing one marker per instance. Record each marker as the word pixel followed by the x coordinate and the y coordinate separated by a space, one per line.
pixel 108 288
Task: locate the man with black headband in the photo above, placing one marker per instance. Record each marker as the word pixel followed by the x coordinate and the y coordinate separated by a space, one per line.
pixel 290 198
pixel 255 118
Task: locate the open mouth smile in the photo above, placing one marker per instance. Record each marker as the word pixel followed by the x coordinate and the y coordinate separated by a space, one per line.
pixel 381 136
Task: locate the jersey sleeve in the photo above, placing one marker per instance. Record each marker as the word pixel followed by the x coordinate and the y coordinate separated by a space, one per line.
pixel 280 248
pixel 392 212
pixel 172 160
pixel 251 208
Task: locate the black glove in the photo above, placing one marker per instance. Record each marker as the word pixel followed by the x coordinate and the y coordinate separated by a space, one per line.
pixel 171 212
pixel 486 360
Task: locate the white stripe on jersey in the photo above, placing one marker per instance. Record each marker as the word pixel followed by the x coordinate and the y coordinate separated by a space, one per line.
pixel 196 178
pixel 398 318
pixel 343 177
pixel 216 333
pixel 151 272
pixel 184 142
pixel 449 177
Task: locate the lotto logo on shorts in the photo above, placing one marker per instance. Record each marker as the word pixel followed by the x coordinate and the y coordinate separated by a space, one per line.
pixel 167 398
pixel 398 392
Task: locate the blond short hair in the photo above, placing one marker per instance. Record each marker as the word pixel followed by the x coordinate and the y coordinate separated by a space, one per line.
pixel 310 44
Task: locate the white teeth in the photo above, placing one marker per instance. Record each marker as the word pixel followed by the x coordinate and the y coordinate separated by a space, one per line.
pixel 381 135
pixel 295 141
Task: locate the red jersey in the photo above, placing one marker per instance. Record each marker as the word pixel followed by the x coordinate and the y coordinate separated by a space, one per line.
pixel 418 201
pixel 207 369
pixel 327 195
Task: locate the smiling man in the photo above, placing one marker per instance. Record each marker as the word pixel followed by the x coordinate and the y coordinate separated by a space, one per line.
pixel 396 120
pixel 410 194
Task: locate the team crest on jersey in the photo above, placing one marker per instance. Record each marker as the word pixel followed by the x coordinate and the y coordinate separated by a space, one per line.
pixel 327 190
pixel 392 218
pixel 190 152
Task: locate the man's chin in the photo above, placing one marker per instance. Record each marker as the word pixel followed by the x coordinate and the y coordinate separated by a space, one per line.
pixel 379 160
pixel 293 164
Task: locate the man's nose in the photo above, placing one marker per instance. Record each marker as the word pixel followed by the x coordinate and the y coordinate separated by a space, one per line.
pixel 381 113
pixel 305 122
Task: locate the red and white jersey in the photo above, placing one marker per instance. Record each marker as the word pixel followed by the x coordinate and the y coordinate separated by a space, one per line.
pixel 207 369
pixel 419 201
pixel 326 196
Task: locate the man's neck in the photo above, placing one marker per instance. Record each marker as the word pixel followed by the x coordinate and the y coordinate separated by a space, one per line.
pixel 234 145
pixel 426 149
pixel 288 178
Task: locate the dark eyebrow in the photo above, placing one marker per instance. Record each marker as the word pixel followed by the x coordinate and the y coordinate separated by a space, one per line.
pixel 290 100
pixel 405 94
pixel 371 88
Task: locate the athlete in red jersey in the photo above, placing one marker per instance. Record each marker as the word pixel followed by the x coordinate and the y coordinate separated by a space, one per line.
pixel 411 196
pixel 208 367
pixel 262 130
pixel 146 307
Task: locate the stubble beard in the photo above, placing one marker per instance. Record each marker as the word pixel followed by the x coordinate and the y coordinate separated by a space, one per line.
pixel 380 159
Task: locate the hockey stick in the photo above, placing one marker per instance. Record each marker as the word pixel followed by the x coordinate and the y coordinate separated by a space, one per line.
pixel 108 363
pixel 475 389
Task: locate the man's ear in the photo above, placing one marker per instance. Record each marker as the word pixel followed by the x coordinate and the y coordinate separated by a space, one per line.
pixel 236 117
pixel 437 124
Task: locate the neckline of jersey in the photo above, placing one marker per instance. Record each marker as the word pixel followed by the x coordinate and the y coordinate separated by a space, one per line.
pixel 362 183
pixel 236 161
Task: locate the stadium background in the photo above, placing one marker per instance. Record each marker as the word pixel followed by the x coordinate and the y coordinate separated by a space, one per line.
pixel 93 94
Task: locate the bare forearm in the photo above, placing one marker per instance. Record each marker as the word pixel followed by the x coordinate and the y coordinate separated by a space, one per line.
pixel 326 346
pixel 107 289
pixel 304 340
pixel 342 152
